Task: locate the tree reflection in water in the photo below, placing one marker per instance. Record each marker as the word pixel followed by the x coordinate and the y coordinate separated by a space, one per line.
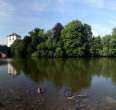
pixel 70 73
pixel 73 73
pixel 64 76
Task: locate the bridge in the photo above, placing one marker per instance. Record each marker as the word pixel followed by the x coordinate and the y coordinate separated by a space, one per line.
pixel 3 55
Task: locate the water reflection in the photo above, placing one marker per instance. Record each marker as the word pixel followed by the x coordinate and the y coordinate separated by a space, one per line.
pixel 69 73
pixel 73 73
pixel 58 78
pixel 11 70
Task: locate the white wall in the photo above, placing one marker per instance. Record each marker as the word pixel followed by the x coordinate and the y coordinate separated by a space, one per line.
pixel 11 40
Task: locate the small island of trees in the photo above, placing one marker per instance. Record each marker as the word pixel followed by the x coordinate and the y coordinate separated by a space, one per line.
pixel 75 39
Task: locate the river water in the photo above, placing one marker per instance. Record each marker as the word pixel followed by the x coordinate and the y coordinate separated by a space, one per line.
pixel 58 84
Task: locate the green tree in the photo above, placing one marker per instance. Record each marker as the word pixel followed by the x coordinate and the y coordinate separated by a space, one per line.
pixel 51 42
pixel 106 45
pixel 5 49
pixel 76 37
pixel 114 33
pixel 113 47
pixel 73 40
pixel 18 49
pixel 37 36
pixel 87 37
pixel 96 46
pixel 57 31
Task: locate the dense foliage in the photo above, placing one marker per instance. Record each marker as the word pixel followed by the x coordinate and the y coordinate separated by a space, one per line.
pixel 72 40
pixel 4 49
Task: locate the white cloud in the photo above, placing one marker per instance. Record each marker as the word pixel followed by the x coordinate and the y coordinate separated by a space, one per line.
pixel 3 41
pixel 96 3
pixel 6 9
pixel 112 22
pixel 66 8
pixel 101 30
pixel 102 4
pixel 111 5
pixel 65 2
pixel 40 6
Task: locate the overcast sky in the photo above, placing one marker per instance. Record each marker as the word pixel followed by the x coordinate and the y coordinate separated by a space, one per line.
pixel 21 16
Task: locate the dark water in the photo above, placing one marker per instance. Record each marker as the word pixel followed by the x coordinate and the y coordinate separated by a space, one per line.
pixel 61 82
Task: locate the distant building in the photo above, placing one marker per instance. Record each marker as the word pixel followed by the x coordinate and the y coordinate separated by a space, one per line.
pixel 11 38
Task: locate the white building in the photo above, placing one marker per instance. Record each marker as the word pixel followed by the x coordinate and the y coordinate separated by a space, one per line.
pixel 11 38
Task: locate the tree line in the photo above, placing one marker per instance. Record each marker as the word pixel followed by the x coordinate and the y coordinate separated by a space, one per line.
pixel 4 49
pixel 75 39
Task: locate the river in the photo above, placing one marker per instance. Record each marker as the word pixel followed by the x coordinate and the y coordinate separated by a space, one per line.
pixel 58 84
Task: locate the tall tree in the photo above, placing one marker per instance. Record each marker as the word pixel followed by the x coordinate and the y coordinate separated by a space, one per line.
pixel 114 32
pixel 57 31
pixel 37 36
pixel 106 44
pixel 18 49
pixel 96 46
pixel 76 37
pixel 113 47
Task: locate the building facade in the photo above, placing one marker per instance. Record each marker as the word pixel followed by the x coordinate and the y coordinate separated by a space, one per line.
pixel 11 38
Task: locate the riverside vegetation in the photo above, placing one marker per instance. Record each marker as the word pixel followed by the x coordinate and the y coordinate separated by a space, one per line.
pixel 72 40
